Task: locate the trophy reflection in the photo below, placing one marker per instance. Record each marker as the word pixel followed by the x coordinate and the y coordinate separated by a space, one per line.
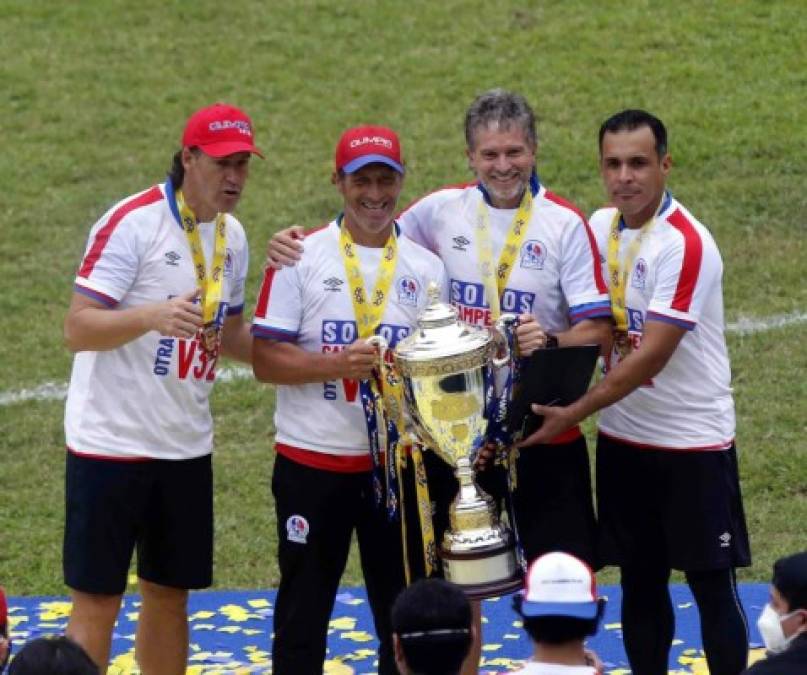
pixel 444 364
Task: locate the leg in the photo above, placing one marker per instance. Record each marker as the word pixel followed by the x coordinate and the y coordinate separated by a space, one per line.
pixel 161 644
pixel 724 629
pixel 648 623
pixel 314 525
pixel 91 623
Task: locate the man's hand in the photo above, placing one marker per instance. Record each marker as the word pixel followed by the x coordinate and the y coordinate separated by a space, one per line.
pixel 485 457
pixel 178 317
pixel 285 247
pixel 557 419
pixel 358 360
pixel 529 335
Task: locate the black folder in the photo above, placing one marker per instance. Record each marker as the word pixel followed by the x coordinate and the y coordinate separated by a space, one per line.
pixel 554 376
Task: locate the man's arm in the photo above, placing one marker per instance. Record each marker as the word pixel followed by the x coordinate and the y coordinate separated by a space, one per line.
pixel 92 326
pixel 236 338
pixel 659 342
pixel 286 363
pixel 531 336
pixel 285 247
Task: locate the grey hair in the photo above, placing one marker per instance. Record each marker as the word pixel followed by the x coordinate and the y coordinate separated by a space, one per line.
pixel 503 109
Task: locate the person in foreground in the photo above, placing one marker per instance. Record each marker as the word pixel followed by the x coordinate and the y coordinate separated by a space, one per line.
pixel 432 629
pixel 560 609
pixel 668 490
pixel 52 656
pixel 313 326
pixel 158 298
pixel 783 622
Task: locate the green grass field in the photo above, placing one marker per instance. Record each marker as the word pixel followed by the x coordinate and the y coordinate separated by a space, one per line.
pixel 95 95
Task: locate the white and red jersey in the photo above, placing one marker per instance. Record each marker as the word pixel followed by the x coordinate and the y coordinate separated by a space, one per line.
pixel 676 277
pixel 541 668
pixel 149 397
pixel 310 305
pixel 557 276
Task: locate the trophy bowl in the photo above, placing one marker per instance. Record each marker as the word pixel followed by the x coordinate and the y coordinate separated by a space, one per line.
pixel 443 365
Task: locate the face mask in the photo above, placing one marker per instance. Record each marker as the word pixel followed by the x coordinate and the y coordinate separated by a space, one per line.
pixel 770 627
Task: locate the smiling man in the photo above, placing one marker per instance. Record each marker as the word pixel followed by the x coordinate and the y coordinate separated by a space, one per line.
pixel 357 278
pixel 668 491
pixel 158 298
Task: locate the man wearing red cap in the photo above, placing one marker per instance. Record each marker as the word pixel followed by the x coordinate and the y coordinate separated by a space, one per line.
pixel 357 279
pixel 158 298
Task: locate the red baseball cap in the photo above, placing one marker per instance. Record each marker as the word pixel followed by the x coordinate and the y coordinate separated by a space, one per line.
pixel 220 130
pixel 365 145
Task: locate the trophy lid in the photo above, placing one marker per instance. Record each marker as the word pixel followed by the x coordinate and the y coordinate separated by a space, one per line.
pixel 440 333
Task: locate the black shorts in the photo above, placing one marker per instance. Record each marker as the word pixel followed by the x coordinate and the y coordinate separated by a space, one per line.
pixel 679 508
pixel 163 507
pixel 553 503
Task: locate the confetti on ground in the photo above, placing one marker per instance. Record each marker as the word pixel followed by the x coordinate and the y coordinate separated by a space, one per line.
pixel 231 632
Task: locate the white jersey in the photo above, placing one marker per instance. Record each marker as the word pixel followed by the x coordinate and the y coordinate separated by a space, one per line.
pixel 539 668
pixel 556 278
pixel 310 305
pixel 149 397
pixel 676 278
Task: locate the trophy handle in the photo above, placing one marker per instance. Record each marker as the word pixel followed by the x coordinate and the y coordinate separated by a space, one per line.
pixel 505 324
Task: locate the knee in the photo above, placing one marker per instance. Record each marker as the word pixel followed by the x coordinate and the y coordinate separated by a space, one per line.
pixel 94 607
pixel 165 598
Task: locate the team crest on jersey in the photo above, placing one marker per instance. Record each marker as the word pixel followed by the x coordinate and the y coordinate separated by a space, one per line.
pixel 408 291
pixel 639 274
pixel 172 258
pixel 228 263
pixel 533 254
pixel 460 243
pixel 297 529
pixel 333 284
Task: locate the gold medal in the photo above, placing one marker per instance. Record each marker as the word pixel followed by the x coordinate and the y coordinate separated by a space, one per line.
pixel 211 337
pixel 621 343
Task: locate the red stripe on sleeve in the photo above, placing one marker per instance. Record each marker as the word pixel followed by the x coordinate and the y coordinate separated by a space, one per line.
pixel 599 280
pixel 103 235
pixel 263 296
pixel 691 265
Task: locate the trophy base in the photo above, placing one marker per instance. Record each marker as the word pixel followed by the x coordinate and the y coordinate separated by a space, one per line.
pixel 483 573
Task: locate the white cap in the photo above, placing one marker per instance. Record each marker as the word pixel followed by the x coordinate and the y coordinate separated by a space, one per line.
pixel 558 584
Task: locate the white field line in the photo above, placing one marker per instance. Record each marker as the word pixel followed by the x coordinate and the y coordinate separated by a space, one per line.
pixel 57 391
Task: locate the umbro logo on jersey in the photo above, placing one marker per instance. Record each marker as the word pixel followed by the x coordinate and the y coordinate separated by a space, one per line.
pixel 725 540
pixel 333 284
pixel 460 243
pixel 171 258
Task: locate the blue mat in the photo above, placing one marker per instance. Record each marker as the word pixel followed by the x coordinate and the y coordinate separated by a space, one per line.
pixel 231 631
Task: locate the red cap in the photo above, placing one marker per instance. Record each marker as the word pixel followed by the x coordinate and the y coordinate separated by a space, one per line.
pixel 361 146
pixel 220 130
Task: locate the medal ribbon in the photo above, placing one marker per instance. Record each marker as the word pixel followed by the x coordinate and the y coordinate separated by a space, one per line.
pixel 619 269
pixel 210 284
pixel 368 311
pixel 495 281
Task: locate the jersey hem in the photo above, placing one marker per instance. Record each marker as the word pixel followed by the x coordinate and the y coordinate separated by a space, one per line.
pixel 717 447
pixel 325 461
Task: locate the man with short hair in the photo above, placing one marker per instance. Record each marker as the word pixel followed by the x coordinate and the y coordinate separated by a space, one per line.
pixel 783 622
pixel 54 655
pixel 511 245
pixel 668 491
pixel 560 609
pixel 431 628
pixel 158 298
pixel 313 326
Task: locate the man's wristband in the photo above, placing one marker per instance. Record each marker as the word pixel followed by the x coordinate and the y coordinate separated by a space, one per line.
pixel 550 341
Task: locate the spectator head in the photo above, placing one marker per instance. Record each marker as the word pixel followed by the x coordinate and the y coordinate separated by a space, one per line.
pixel 52 656
pixel 785 616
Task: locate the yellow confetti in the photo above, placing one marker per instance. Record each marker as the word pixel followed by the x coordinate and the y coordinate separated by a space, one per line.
pixel 613 626
pixel 356 636
pixel 677 642
pixel 203 626
pixel 619 671
pixel 343 623
pixel 685 605
pixel 518 624
pixel 57 609
pixel 259 603
pixel 755 655
pixel 511 636
pixel 333 667
pixel 502 662
pixel 133 616
pixel 131 580
pixel 491 648
pixel 258 656
pixel 201 614
pixel 125 663
pixel 229 629
pixel 252 631
pixel 235 612
pixel 199 656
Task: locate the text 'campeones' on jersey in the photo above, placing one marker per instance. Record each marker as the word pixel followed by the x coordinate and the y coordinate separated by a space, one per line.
pixel 148 398
pixel 676 277
pixel 556 275
pixel 310 305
